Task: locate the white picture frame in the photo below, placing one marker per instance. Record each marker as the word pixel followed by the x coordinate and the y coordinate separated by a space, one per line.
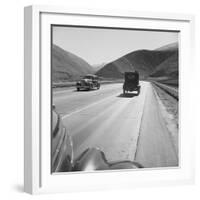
pixel 37 174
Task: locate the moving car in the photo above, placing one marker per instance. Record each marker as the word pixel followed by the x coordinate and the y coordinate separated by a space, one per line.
pixel 131 82
pixel 88 82
pixel 90 159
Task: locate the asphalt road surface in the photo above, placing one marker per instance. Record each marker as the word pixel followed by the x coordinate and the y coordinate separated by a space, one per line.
pixel 125 127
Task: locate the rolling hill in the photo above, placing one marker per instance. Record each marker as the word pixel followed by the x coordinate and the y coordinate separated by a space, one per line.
pixel 144 61
pixel 169 47
pixel 168 68
pixel 97 67
pixel 67 66
pixel 167 71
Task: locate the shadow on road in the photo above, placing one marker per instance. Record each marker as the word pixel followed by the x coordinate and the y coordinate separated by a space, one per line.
pixel 128 95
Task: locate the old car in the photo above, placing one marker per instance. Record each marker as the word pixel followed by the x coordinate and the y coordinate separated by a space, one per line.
pixel 131 82
pixel 62 159
pixel 61 145
pixel 88 82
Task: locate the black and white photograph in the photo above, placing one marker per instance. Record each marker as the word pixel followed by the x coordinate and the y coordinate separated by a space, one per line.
pixel 114 99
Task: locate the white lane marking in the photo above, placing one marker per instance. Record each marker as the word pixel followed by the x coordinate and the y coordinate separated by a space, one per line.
pixel 86 107
pixel 141 113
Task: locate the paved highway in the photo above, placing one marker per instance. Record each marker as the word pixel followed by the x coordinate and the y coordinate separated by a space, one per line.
pixel 125 127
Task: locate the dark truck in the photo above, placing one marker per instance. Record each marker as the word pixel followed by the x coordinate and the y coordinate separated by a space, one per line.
pixel 131 82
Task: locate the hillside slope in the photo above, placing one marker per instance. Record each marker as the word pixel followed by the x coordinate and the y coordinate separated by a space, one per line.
pixel 97 67
pixel 144 61
pixel 67 66
pixel 169 47
pixel 167 72
pixel 168 68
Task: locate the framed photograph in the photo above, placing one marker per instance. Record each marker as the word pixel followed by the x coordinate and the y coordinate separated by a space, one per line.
pixel 107 100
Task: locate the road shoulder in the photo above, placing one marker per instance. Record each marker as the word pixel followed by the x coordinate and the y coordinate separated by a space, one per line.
pixel 155 147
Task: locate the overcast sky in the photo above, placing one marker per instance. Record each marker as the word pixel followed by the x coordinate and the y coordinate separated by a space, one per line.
pixel 98 46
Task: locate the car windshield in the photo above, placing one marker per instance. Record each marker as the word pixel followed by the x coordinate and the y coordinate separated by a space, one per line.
pixel 89 77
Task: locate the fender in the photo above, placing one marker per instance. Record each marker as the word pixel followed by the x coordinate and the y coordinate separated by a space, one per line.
pixel 94 159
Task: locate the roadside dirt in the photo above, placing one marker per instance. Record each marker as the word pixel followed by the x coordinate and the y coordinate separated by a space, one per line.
pixel 169 111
